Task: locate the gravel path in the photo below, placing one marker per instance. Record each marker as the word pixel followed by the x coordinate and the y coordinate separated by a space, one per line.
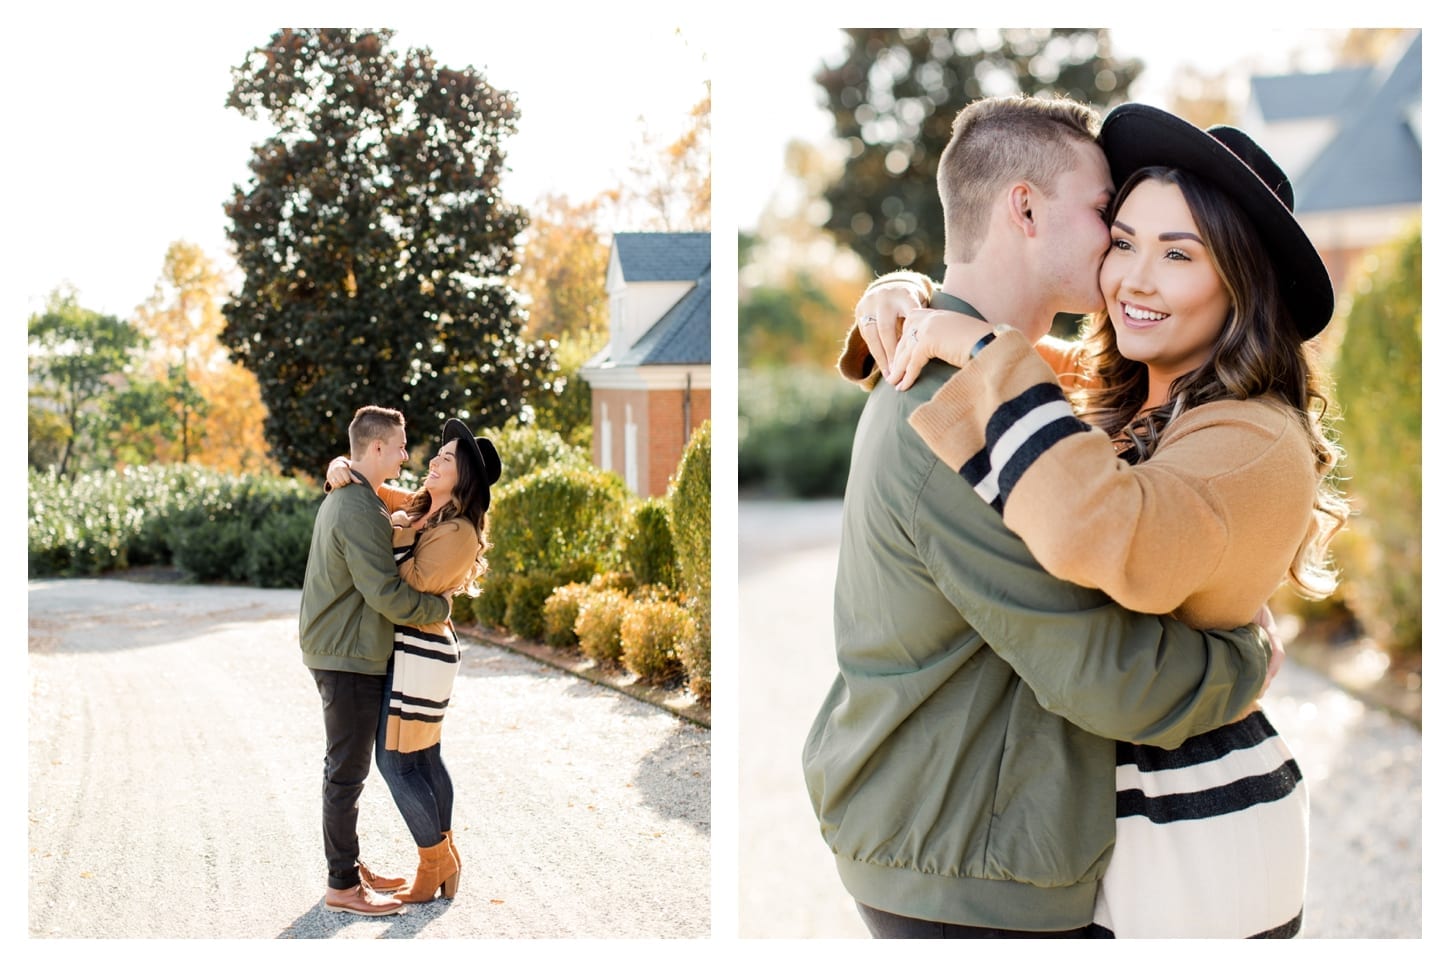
pixel 175 749
pixel 1363 766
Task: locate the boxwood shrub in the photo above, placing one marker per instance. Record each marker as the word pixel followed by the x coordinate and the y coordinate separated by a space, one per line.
pixel 650 636
pixel 561 611
pixel 526 597
pixel 601 611
pixel 689 505
pixel 558 518
pixel 490 608
pixel 648 550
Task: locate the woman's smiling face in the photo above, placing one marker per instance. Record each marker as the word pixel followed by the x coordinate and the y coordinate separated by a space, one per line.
pixel 1165 298
pixel 443 470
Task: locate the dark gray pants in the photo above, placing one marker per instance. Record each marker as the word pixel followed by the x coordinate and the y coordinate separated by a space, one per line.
pixel 351 705
pixel 891 926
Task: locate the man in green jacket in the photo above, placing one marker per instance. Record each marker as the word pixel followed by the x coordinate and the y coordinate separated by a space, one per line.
pixel 962 764
pixel 351 599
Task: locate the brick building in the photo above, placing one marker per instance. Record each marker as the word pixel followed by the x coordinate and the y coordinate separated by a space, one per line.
pixel 650 385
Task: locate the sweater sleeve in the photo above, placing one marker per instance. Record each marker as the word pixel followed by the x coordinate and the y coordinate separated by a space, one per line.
pixel 1113 672
pixel 367 547
pixel 1227 483
pixel 442 557
pixel 394 498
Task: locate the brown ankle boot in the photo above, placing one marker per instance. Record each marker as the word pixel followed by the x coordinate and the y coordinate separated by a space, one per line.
pixel 453 850
pixel 437 870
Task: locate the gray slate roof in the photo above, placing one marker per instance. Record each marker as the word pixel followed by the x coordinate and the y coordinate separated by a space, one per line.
pixel 663 256
pixel 1375 158
pixel 1291 97
pixel 681 337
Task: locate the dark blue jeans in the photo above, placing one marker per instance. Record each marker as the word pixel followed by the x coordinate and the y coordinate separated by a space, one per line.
pixel 350 708
pixel 419 781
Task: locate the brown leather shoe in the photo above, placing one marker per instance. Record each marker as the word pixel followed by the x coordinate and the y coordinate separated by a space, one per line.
pixel 379 884
pixel 361 901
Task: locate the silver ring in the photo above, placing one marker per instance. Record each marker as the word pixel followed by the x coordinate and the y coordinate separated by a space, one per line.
pixel 868 321
pixel 914 336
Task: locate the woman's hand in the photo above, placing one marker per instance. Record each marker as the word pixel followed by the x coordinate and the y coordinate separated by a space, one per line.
pixel 882 310
pixel 339 472
pixel 934 334
pixel 1265 619
pixel 400 518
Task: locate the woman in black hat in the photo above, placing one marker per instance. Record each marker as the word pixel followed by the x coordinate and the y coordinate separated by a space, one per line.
pixel 439 539
pixel 1191 476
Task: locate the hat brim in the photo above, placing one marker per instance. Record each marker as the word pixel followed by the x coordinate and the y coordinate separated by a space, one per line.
pixel 1137 136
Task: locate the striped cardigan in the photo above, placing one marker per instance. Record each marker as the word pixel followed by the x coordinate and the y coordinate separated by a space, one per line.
pixel 425 658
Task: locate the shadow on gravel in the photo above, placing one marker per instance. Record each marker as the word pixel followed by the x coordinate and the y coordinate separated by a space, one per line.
pixel 673 765
pixel 319 923
pixel 122 625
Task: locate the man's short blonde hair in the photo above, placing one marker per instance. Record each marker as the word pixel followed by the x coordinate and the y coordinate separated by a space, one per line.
pixel 371 423
pixel 998 140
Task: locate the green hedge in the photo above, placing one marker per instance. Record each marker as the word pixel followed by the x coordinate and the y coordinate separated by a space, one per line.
pixel 524 449
pixel 1378 381
pixel 796 428
pixel 246 528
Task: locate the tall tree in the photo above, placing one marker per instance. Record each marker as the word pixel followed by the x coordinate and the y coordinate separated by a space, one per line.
pixel 894 98
pixel 566 259
pixel 563 269
pixel 690 155
pixel 668 184
pixel 145 417
pixel 213 406
pixel 374 242
pixel 76 356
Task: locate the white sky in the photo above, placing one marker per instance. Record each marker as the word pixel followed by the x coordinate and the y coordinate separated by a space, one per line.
pixel 120 142
pixel 782 66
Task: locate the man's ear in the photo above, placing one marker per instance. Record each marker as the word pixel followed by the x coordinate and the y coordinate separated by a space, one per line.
pixel 1020 199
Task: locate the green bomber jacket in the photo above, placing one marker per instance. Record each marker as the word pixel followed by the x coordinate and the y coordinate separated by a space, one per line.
pixel 352 595
pixel 962 764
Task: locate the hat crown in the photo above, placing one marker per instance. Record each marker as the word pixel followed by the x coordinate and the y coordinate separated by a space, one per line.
pixel 1257 160
pixel 492 465
pixel 483 453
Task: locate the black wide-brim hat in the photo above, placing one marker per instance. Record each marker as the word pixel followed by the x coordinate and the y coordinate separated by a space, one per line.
pixel 479 451
pixel 1139 136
